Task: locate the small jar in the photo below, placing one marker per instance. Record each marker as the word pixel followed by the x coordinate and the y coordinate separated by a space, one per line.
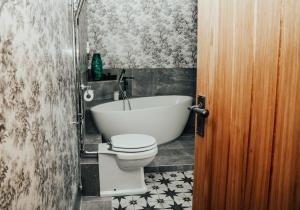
pixel 116 95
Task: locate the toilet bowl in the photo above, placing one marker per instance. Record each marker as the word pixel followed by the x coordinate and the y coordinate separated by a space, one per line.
pixel 121 164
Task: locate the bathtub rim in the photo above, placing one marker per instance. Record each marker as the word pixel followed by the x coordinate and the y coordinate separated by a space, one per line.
pixel 92 109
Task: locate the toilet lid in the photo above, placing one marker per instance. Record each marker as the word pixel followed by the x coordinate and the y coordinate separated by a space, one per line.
pixel 134 142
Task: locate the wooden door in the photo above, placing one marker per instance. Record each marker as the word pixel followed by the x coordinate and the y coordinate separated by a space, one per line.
pixel 240 54
pixel 285 185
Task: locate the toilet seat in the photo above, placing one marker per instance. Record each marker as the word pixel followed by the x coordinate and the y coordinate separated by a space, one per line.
pixel 136 155
pixel 133 143
pixel 125 150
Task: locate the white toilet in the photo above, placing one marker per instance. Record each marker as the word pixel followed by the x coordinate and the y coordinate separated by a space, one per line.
pixel 121 164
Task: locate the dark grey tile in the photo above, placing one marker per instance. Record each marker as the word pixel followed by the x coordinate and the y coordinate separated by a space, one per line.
pixel 174 82
pixel 190 125
pixel 172 153
pixel 90 127
pixel 189 152
pixel 95 199
pixel 128 72
pixel 96 203
pixel 89 160
pixel 172 159
pixel 179 152
pixel 91 147
pixel 90 180
pixel 149 82
pixel 93 138
pixel 106 89
pixel 187 137
pixel 159 169
pixel 103 89
pixel 174 145
pixel 143 82
pixel 97 102
pixel 187 160
pixel 187 143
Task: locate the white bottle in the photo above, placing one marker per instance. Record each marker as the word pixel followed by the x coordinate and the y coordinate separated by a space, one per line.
pixel 116 95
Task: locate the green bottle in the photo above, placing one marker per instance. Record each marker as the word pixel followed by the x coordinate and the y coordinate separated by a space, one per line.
pixel 97 66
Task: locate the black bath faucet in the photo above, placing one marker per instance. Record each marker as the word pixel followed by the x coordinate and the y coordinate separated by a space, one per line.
pixel 124 79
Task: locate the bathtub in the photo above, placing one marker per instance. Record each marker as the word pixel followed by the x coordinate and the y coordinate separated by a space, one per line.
pixel 163 117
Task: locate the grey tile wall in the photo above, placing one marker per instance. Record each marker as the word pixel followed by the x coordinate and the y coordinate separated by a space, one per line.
pixel 105 89
pixel 149 82
pixel 152 82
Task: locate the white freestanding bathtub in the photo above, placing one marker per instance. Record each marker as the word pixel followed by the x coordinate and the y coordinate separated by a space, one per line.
pixel 163 117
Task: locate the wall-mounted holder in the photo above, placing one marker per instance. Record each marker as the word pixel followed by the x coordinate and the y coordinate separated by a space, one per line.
pixel 85 87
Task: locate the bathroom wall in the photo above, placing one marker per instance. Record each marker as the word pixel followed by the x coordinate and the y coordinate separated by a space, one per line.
pixel 38 144
pixel 143 34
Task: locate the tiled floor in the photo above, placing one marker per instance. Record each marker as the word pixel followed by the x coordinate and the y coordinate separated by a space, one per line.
pixel 169 190
pixel 96 203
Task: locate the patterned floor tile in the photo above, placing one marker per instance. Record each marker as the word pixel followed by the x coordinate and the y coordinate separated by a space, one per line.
pixel 180 186
pixel 156 176
pixel 169 190
pixel 183 199
pixel 173 176
pixel 189 174
pixel 160 202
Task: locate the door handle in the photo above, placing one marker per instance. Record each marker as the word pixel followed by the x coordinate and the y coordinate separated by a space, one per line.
pixel 196 108
pixel 202 113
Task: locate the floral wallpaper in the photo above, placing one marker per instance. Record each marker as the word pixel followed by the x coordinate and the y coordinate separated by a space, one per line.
pixel 82 39
pixel 144 33
pixel 38 144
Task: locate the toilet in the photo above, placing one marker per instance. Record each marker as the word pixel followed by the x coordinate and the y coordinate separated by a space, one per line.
pixel 122 162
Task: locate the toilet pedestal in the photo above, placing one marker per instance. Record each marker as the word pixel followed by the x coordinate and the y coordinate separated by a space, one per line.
pixel 115 181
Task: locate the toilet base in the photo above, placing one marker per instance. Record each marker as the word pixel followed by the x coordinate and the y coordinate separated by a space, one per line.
pixel 123 192
pixel 115 181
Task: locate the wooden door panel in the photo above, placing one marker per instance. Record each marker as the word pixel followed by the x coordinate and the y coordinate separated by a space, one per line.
pixel 206 55
pixel 265 72
pixel 285 188
pixel 243 60
pixel 225 37
pixel 219 96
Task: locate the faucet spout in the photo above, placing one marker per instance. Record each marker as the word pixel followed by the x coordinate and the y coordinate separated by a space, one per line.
pixel 123 91
pixel 121 76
